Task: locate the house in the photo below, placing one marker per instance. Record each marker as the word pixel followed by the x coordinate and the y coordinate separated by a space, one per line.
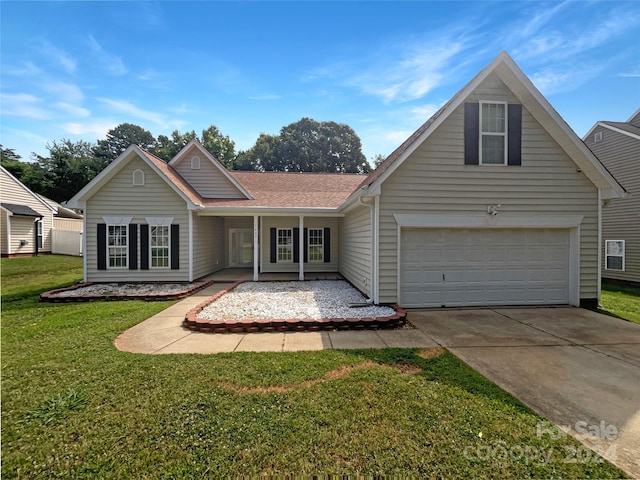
pixel 493 201
pixel 617 146
pixel 26 219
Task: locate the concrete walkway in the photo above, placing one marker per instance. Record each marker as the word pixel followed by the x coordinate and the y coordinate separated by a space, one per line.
pixel 163 333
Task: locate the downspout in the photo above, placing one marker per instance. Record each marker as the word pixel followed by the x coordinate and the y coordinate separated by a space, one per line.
pixel 374 248
pixel 600 247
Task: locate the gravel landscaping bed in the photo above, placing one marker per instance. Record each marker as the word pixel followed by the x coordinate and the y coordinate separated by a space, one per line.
pixel 283 300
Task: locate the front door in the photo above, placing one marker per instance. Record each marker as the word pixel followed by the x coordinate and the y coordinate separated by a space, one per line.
pixel 240 247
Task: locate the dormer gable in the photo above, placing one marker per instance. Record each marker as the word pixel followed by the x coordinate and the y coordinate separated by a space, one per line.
pixel 206 174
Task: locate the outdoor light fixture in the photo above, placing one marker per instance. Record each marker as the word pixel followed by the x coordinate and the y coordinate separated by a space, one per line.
pixel 493 209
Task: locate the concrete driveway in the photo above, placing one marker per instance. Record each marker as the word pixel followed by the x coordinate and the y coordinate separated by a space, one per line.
pixel 578 368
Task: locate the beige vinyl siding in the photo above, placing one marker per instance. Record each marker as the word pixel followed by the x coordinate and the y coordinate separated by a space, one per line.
pixel 355 248
pixel 120 197
pixel 621 217
pixel 23 228
pixel 293 222
pixel 434 180
pixel 208 245
pixel 4 247
pixel 14 192
pixel 208 181
pixel 71 224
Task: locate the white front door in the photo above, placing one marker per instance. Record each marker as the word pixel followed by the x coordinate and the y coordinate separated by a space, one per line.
pixel 240 247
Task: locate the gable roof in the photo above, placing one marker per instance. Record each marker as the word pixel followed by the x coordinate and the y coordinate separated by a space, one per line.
pixel 164 171
pixel 531 98
pixel 624 128
pixel 21 210
pixel 182 154
pixel 26 189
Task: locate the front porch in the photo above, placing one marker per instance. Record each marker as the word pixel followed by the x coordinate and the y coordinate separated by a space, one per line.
pixel 246 274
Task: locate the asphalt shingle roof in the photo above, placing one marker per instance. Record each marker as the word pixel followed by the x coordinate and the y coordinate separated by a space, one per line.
pixel 21 210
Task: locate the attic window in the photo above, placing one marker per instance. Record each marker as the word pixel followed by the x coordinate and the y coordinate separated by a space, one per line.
pixel 597 137
pixel 195 163
pixel 138 177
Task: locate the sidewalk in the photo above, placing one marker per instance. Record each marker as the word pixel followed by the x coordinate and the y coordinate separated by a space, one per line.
pixel 163 333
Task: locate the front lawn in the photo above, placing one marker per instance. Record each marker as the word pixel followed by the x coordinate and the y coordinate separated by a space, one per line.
pixel 73 406
pixel 621 300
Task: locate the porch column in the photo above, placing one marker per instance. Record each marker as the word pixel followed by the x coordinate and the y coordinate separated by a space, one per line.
pixel 301 248
pixel 255 248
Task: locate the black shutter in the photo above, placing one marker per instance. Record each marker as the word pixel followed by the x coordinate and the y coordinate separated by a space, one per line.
pixel 327 245
pixel 144 246
pixel 175 247
pixel 273 235
pixel 102 246
pixel 133 246
pixel 305 256
pixel 514 134
pixel 471 134
pixel 296 245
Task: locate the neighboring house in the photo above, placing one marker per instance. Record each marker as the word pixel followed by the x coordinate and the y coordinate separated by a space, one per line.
pixel 493 201
pixel 25 221
pixel 617 146
pixel 66 236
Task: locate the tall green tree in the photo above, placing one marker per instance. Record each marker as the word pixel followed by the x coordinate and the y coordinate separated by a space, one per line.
pixel 119 139
pixel 309 146
pixel 168 147
pixel 220 146
pixel 68 168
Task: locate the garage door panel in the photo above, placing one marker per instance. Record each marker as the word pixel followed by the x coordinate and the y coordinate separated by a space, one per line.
pixel 484 267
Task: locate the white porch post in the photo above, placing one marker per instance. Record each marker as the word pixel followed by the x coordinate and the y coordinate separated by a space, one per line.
pixel 301 248
pixel 255 248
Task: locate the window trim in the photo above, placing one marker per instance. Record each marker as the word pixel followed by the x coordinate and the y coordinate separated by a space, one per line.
pixel 288 246
pixel 607 255
pixel 317 245
pixel 40 233
pixel 124 226
pixel 140 180
pixel 504 134
pixel 166 247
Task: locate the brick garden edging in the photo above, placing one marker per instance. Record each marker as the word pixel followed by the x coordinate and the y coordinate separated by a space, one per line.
pixel 192 322
pixel 50 296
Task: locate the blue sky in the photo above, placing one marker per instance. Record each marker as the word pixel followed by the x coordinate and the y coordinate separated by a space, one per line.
pixel 74 70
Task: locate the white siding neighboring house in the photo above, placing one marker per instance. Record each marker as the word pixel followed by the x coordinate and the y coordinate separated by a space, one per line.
pixel 617 146
pixel 493 201
pixel 26 219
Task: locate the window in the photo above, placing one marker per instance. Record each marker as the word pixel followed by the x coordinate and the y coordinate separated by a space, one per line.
pixel 138 177
pixel 195 163
pixel 117 246
pixel 39 233
pixel 493 133
pixel 614 252
pixel 285 245
pixel 315 245
pixel 159 244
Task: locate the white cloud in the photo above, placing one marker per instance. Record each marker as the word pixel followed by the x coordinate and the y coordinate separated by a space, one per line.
pixel 26 69
pixel 111 63
pixel 122 106
pixel 63 91
pixel 59 56
pixel 23 105
pixel 266 97
pixel 98 127
pixel 74 110
pixel 555 79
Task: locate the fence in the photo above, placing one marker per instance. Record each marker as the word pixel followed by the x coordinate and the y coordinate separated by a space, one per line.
pixel 66 242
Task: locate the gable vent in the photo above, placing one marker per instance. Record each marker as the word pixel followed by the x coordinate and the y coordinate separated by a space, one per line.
pixel 195 163
pixel 597 137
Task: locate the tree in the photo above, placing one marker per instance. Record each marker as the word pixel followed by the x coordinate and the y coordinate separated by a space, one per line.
pixel 220 146
pixel 377 160
pixel 69 167
pixel 309 146
pixel 166 148
pixel 120 138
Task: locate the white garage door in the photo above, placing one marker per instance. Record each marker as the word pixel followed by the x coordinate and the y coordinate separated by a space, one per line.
pixel 466 267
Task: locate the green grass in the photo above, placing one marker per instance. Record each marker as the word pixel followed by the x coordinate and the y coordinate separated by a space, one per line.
pixel 75 407
pixel 621 300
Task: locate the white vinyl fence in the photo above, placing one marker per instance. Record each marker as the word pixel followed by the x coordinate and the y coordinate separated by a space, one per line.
pixel 66 242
